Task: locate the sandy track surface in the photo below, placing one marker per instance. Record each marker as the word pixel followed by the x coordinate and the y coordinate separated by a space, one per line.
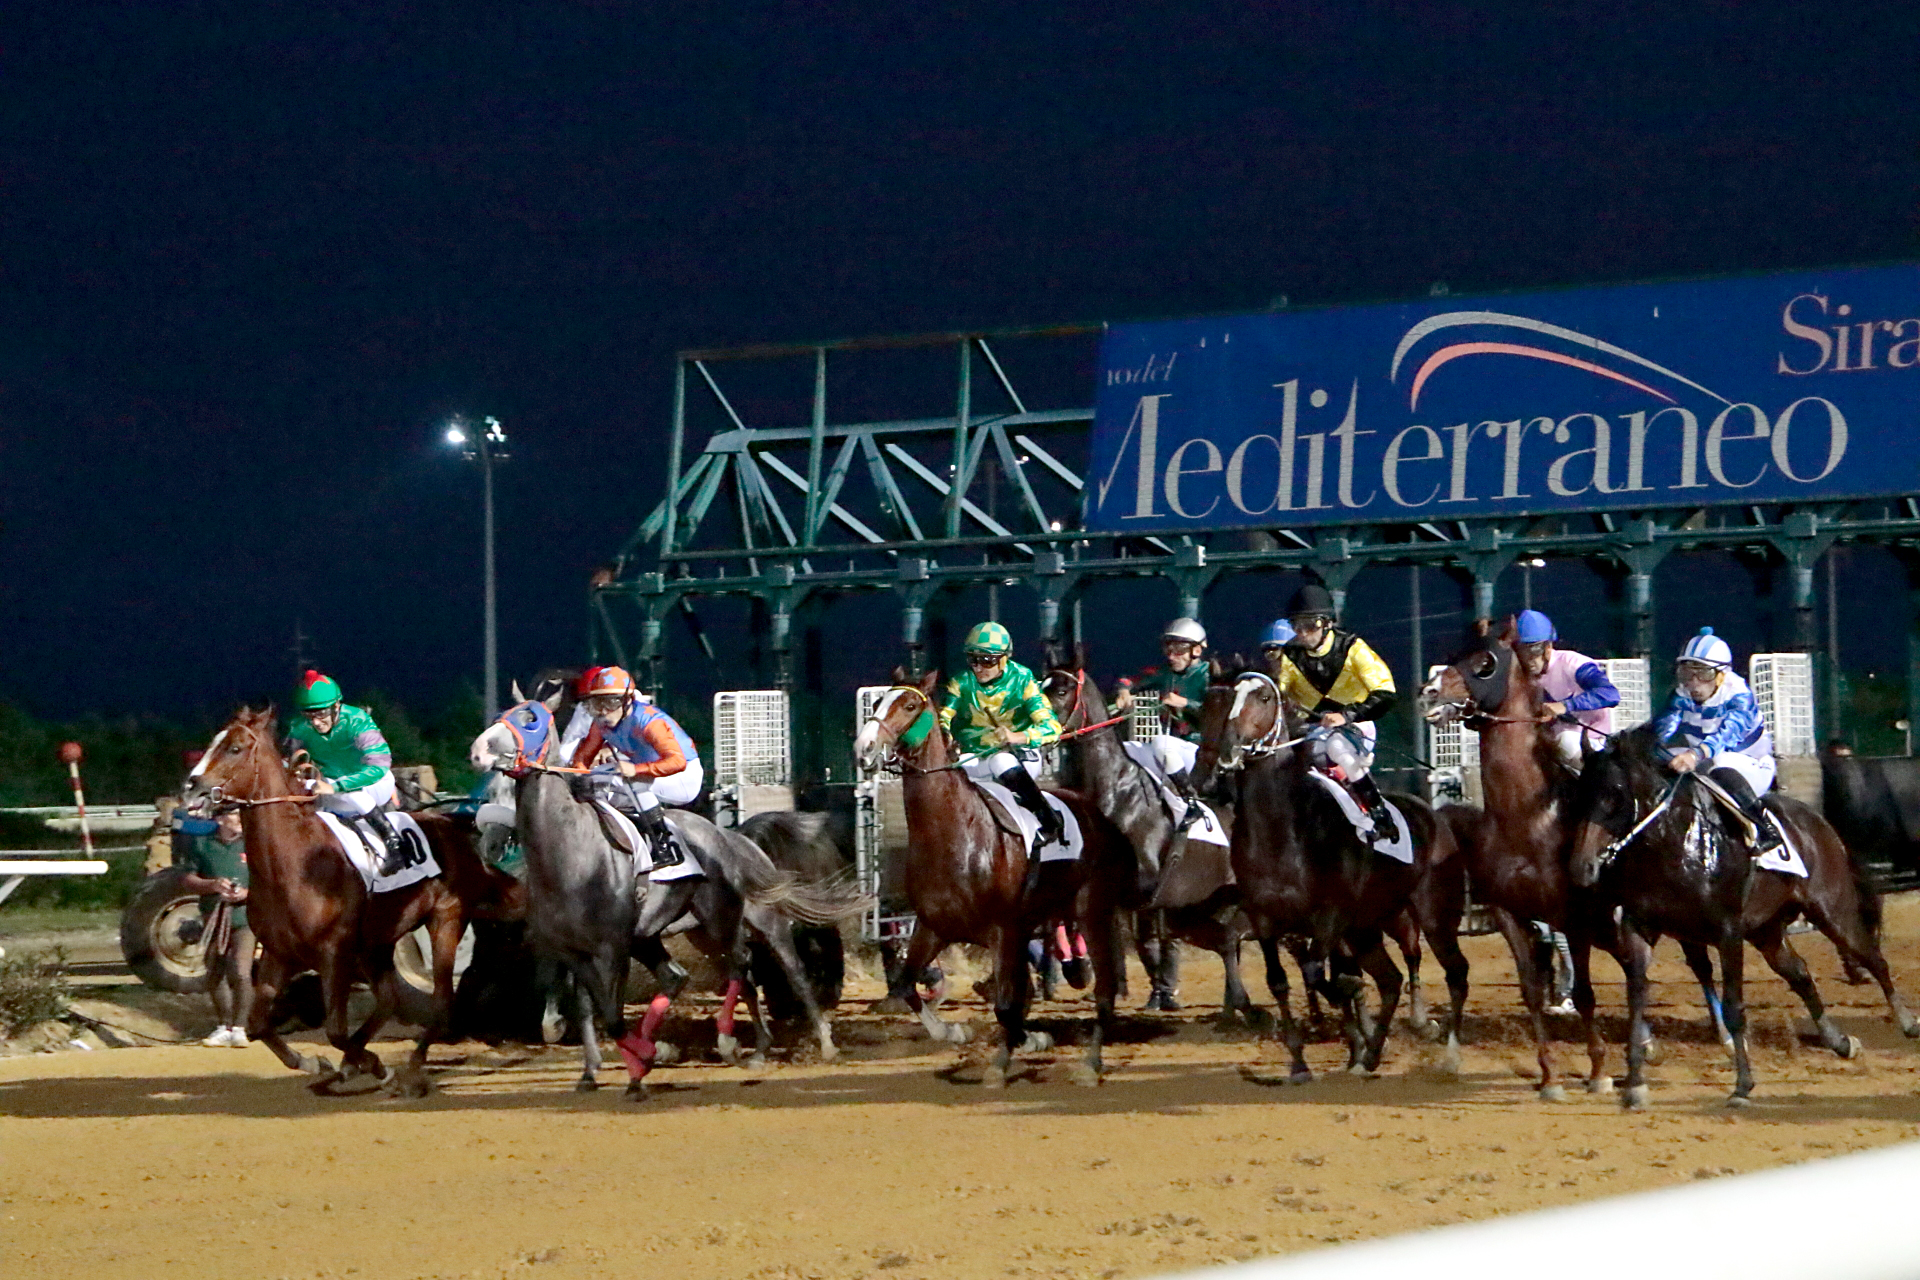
pixel 892 1162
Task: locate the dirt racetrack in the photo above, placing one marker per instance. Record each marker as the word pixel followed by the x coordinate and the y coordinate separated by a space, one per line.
pixel 887 1163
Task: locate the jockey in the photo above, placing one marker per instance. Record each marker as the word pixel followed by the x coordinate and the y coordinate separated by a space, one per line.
pixel 355 763
pixel 1273 642
pixel 1579 699
pixel 643 758
pixel 1335 676
pixel 1182 686
pixel 1719 725
pixel 995 712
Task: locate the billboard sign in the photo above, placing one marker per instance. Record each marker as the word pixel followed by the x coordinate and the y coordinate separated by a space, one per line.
pixel 1794 387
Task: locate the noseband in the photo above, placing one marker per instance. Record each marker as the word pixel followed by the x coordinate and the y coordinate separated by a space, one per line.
pixel 219 799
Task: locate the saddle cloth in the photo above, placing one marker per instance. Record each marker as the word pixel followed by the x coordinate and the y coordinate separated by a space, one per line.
pixel 1029 826
pixel 626 838
pixel 1400 850
pixel 1206 831
pixel 1786 859
pixel 365 850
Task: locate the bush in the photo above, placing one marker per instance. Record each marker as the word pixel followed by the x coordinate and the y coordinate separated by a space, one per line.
pixel 33 989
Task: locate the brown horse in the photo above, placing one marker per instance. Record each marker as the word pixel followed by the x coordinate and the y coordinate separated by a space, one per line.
pixel 966 873
pixel 1304 871
pixel 1194 898
pixel 1662 849
pixel 311 910
pixel 1520 866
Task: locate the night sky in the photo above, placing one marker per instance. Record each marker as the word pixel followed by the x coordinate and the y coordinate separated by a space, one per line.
pixel 253 256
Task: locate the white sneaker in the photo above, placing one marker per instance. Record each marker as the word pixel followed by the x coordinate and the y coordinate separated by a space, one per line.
pixel 220 1039
pixel 1565 1006
pixel 237 1038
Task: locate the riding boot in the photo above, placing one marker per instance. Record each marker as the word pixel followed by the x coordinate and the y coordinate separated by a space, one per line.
pixel 1367 792
pixel 1182 785
pixel 394 858
pixel 1027 792
pixel 1735 784
pixel 660 839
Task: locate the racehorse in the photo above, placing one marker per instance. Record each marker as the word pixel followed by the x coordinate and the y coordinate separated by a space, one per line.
pixel 1660 847
pixel 1520 865
pixel 583 905
pixel 966 873
pixel 311 910
pixel 1304 870
pixel 1194 898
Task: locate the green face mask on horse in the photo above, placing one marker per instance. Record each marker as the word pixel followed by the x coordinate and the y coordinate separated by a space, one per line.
pixel 916 733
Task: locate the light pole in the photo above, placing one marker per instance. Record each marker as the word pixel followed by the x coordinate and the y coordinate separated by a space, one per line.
pixel 1527 567
pixel 485 445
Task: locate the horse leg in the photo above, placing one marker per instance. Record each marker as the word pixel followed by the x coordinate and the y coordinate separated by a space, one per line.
pixel 1348 992
pixel 1453 963
pixel 1107 963
pixel 1406 932
pixel 1314 1015
pixel 779 938
pixel 1386 975
pixel 1534 992
pixel 1702 965
pixel 336 980
pixel 1288 1029
pixel 1010 990
pixel 1580 963
pixel 1634 955
pixel 586 1003
pixel 1733 956
pixel 1854 939
pixel 920 953
pixel 1774 947
pixel 449 923
pixel 269 976
pixel 1236 999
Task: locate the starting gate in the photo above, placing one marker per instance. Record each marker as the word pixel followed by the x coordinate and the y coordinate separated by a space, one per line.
pixel 752 754
pixel 879 834
pixel 1143 721
pixel 1782 685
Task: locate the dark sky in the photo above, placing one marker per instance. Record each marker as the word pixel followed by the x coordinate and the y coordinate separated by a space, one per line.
pixel 251 256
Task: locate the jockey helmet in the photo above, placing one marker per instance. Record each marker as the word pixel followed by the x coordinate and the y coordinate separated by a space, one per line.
pixel 317 692
pixel 610 682
pixel 1311 600
pixel 989 638
pixel 1187 629
pixel 1708 650
pixel 1279 632
pixel 1533 627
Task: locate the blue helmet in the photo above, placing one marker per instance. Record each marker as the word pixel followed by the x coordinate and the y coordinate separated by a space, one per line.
pixel 1278 632
pixel 1708 649
pixel 1533 626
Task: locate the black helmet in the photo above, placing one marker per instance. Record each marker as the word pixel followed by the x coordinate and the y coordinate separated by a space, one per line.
pixel 1311 599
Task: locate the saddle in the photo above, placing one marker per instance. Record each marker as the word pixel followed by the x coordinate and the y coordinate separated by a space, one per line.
pixel 1785 859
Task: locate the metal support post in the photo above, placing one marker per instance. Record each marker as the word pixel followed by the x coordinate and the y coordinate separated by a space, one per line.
pixel 1191 577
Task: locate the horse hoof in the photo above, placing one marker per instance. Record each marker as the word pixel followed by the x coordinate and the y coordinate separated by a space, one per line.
pixel 829 1052
pixel 1600 1086
pixel 729 1050
pixel 1852 1047
pixel 1360 1069
pixel 1037 1042
pixel 585 1084
pixel 1085 1075
pixel 1636 1097
pixel 1552 1093
pixel 755 1063
pixel 1302 1076
pixel 664 1054
pixel 889 1004
pixel 994 1077
pixel 1653 1054
pixel 322 1086
pixel 1739 1101
pixel 1450 1060
pixel 636 1091
pixel 956 1033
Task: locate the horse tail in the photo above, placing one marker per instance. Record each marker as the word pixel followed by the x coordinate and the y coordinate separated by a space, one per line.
pixel 820 902
pixel 1866 887
pixel 796 841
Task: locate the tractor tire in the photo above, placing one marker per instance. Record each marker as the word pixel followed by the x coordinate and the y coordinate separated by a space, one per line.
pixel 160 934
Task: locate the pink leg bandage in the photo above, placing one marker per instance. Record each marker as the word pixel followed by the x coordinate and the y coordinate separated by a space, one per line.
pixel 636 1047
pixel 723 1021
pixel 1060 947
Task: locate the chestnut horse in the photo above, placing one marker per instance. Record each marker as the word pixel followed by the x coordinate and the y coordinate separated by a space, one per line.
pixel 1304 870
pixel 1194 896
pixel 1520 866
pixel 311 910
pixel 966 874
pixel 1679 868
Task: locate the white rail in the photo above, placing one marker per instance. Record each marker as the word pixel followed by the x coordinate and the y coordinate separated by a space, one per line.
pixel 1841 1219
pixel 14 871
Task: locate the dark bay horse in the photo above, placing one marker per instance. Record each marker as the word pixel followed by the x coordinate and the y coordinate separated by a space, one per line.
pixel 1304 870
pixel 311 910
pixel 583 905
pixel 1683 870
pixel 966 872
pixel 1193 895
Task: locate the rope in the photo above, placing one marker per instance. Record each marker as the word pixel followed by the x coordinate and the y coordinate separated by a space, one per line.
pixel 99 1024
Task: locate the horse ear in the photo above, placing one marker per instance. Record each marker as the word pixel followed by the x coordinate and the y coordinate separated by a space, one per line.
pixel 553 700
pixel 1079 655
pixel 1508 629
pixel 517 695
pixel 1482 627
pixel 900 676
pixel 929 682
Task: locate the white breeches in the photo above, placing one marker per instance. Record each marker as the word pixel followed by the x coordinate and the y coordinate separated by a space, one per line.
pixel 1176 755
pixel 1350 746
pixel 1567 738
pixel 990 767
pixel 361 802
pixel 681 788
pixel 1757 770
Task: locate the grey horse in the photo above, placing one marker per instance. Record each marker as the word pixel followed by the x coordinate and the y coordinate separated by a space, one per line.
pixel 584 913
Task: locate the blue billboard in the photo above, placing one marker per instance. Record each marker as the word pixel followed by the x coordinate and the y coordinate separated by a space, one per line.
pixel 1795 387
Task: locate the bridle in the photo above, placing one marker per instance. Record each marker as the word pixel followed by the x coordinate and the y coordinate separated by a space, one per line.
pixel 1079 707
pixel 891 760
pixel 219 799
pixel 1269 742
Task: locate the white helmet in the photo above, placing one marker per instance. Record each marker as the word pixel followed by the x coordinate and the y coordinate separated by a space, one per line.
pixel 1708 649
pixel 1185 629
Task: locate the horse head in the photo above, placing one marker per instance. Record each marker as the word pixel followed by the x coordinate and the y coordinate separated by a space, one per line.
pixel 235 762
pixel 521 737
pixel 1076 700
pixel 1616 786
pixel 905 720
pixel 1243 714
pixel 1480 680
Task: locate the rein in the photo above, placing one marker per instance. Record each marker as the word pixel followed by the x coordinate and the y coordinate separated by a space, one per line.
pixel 1606 856
pixel 1079 708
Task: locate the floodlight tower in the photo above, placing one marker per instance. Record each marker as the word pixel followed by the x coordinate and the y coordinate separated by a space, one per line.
pixel 486 445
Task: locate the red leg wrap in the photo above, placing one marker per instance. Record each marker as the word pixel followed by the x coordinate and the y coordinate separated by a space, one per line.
pixel 723 1021
pixel 636 1047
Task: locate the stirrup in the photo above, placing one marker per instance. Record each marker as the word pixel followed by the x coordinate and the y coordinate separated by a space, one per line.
pixel 1767 836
